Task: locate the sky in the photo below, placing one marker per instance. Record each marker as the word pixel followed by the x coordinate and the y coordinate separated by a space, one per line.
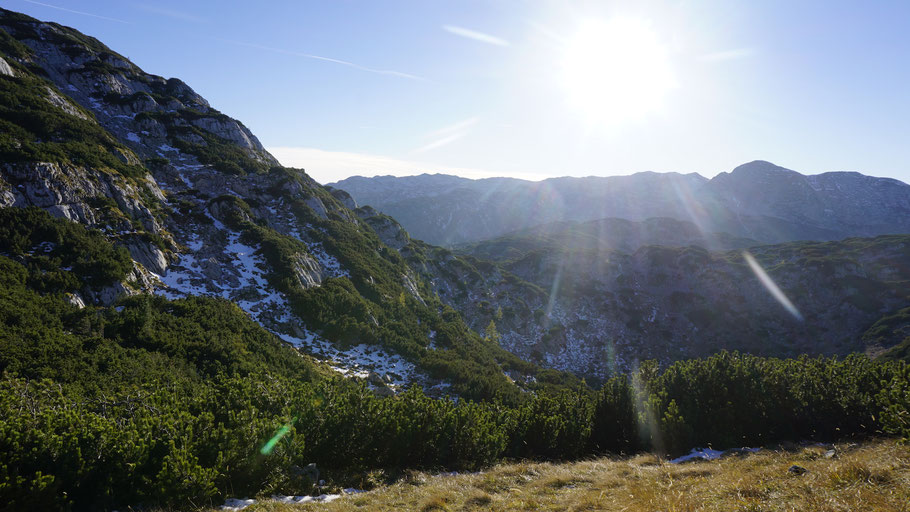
pixel 534 89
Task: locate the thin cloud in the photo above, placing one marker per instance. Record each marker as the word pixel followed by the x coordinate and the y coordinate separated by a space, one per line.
pixel 170 13
pixel 108 18
pixel 475 35
pixel 358 67
pixel 735 54
pixel 452 128
pixel 447 135
pixel 438 143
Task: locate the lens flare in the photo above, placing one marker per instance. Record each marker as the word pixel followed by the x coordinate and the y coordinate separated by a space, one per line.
pixel 269 446
pixel 771 286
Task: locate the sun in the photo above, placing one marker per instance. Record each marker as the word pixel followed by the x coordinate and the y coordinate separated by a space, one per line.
pixel 616 70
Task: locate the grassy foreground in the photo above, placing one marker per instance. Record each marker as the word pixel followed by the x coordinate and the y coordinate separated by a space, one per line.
pixel 871 476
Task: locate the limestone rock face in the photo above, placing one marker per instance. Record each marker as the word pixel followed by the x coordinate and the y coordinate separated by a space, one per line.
pixel 75 299
pixel 5 68
pixel 68 191
pixel 410 284
pixel 64 104
pixel 307 271
pixel 346 199
pixel 390 232
pixel 149 255
pixel 231 130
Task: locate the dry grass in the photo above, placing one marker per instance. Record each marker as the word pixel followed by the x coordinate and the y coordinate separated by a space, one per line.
pixel 872 477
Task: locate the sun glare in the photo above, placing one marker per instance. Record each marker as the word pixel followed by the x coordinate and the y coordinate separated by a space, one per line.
pixel 616 70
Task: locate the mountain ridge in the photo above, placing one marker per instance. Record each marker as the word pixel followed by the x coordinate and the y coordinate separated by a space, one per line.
pixel 758 200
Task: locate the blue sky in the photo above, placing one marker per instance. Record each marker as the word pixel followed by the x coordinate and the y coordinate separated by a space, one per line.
pixel 482 88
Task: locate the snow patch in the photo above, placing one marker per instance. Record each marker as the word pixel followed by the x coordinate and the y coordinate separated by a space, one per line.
pixel 240 504
pixel 132 137
pixel 709 454
pixel 359 360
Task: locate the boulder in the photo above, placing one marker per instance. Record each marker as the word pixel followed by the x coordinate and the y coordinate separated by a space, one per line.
pixel 797 470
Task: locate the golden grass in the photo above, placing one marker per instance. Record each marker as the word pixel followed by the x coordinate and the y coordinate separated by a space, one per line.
pixel 871 477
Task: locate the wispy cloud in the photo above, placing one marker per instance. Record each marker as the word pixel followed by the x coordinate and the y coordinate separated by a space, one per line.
pixel 735 54
pixel 358 67
pixel 447 135
pixel 330 166
pixel 460 126
pixel 83 13
pixel 475 35
pixel 170 13
pixel 438 143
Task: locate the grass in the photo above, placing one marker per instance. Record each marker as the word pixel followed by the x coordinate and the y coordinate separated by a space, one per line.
pixel 874 476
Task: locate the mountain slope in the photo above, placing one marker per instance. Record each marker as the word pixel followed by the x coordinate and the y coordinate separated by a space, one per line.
pixel 607 308
pixel 563 298
pixel 203 209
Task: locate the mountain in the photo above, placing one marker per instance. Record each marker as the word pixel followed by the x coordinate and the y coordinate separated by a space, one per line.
pixel 203 210
pixel 445 210
pixel 593 310
pixel 183 320
pixel 757 200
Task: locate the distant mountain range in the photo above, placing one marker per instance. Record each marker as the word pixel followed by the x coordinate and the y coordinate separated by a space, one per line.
pixel 758 201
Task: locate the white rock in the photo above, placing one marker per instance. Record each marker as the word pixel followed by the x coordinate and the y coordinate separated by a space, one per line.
pixel 5 68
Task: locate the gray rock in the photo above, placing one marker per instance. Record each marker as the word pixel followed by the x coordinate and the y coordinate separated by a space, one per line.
pixel 797 470
pixel 307 271
pixel 390 232
pixel 231 130
pixel 344 198
pixel 63 104
pixel 375 379
pixel 5 68
pixel 75 299
pixel 148 254
pixel 212 269
pixel 317 205
pixel 410 284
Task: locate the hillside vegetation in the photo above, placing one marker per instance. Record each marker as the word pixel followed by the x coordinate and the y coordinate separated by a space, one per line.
pixel 173 402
